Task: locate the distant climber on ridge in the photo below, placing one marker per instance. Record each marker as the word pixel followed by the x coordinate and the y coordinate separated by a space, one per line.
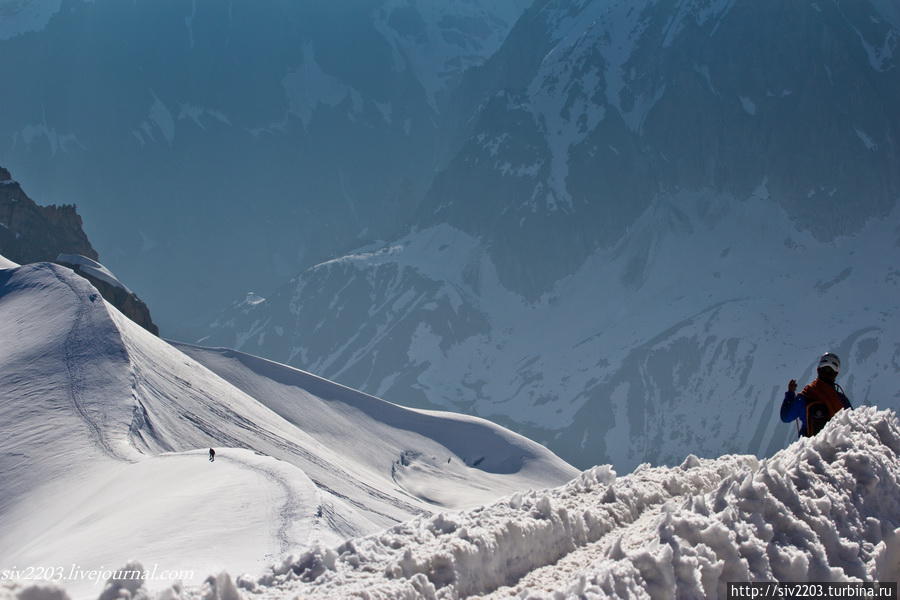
pixel 212 455
pixel 819 401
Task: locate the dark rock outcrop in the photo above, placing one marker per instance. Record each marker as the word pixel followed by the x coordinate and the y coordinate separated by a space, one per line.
pixel 32 233
pixel 125 300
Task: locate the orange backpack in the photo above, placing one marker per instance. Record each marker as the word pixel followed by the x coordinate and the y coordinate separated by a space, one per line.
pixel 822 403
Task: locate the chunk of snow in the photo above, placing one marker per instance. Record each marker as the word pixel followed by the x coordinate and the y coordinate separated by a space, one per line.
pixel 881 58
pixel 58 141
pixel 308 87
pixel 5 263
pixel 252 299
pixel 866 139
pixel 93 268
pixel 160 116
pixel 197 113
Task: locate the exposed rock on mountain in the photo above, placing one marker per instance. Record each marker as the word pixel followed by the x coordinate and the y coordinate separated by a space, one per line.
pixel 31 233
pixel 113 290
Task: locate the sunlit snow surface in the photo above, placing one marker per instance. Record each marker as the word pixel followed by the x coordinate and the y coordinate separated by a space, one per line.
pixel 93 268
pixel 824 509
pixel 104 431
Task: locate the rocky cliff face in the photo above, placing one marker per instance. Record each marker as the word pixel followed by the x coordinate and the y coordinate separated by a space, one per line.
pixel 32 233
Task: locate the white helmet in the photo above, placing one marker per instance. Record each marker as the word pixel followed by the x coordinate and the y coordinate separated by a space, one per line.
pixel 831 361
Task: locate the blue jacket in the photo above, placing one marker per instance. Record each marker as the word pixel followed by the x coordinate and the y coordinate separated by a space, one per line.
pixel 794 407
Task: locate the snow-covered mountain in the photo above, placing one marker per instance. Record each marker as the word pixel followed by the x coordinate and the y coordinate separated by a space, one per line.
pixel 592 110
pixel 661 213
pixel 33 233
pixel 826 509
pixel 678 339
pixel 215 147
pixel 104 430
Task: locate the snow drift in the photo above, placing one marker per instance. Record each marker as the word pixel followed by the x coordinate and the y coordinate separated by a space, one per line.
pixel 824 509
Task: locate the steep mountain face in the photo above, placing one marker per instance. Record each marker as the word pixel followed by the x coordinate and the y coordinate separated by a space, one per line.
pixel 275 134
pixel 662 212
pixel 604 106
pixel 32 233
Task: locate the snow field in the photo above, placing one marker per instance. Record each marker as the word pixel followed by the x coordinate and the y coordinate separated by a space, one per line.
pixel 104 430
pixel 171 511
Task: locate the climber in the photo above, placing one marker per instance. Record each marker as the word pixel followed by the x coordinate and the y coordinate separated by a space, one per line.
pixel 819 401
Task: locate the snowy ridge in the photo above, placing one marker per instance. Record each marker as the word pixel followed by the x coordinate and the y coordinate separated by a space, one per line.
pixel 104 429
pixel 92 267
pixel 5 263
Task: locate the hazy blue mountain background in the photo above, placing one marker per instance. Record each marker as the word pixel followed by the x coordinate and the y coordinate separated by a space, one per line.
pixel 616 227
pixel 215 147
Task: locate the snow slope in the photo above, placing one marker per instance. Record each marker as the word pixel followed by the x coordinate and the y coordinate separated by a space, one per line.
pixel 436 468
pixel 824 509
pixel 104 430
pixel 242 512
